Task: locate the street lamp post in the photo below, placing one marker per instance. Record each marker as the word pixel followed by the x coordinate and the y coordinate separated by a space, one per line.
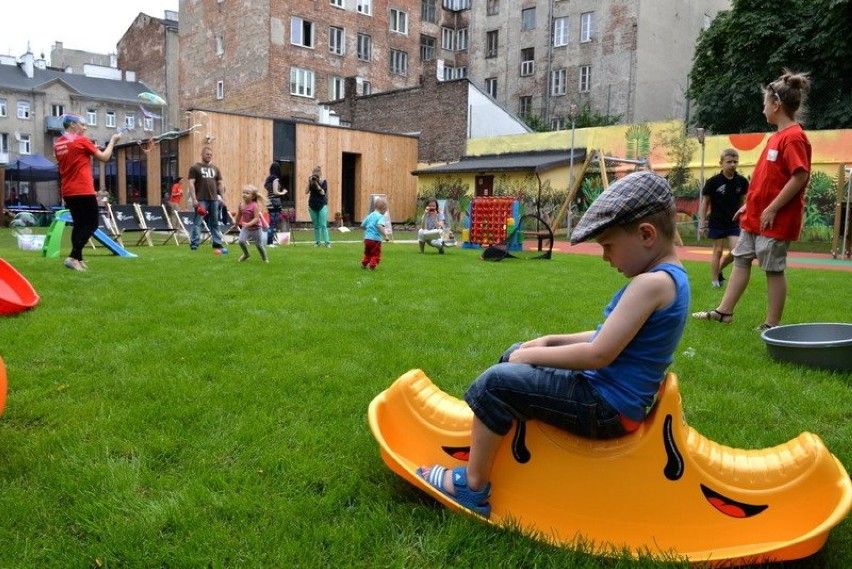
pixel 572 112
pixel 699 134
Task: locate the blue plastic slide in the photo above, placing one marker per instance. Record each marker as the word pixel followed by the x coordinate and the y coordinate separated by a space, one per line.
pixel 99 236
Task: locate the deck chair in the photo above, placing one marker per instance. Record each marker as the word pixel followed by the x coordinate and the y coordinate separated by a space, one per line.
pixel 106 224
pixel 184 226
pixel 158 222
pixel 127 219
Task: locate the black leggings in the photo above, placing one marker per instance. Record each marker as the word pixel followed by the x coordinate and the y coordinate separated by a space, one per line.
pixel 84 213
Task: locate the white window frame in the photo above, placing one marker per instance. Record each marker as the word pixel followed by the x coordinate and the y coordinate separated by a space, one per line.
pixel 525 13
pixel 24 110
pixel 130 120
pixel 492 50
pixel 398 61
pixel 220 44
pixel 4 143
pixel 449 72
pixel 299 28
pixel 148 124
pixel 448 38
pixel 366 87
pixel 364 7
pixel 336 40
pixel 57 110
pixel 587 26
pixel 92 117
pixel 492 7
pixel 557 124
pixel 558 82
pixel 427 50
pixel 220 90
pixel 302 82
pixel 365 47
pixel 491 87
pixel 4 107
pixel 585 79
pixel 398 21
pixel 25 144
pixel 336 3
pixel 527 65
pixel 109 119
pixel 429 11
pixel 461 72
pixel 461 39
pixel 336 88
pixel 560 31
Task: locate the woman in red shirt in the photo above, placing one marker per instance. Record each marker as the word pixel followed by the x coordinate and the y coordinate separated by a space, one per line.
pixel 74 153
pixel 775 204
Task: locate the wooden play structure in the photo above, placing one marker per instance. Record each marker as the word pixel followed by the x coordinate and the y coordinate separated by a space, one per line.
pixel 841 242
pixel 664 490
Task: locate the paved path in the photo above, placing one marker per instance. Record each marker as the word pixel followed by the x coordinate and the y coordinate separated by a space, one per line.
pixel 691 253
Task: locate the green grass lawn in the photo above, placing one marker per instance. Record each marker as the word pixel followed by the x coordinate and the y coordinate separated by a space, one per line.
pixel 182 409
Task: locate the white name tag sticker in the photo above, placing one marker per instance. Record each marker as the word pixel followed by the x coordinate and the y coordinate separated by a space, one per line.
pixel 772 155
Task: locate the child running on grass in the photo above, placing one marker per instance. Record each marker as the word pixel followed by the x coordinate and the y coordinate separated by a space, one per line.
pixel 598 383
pixel 374 233
pixel 250 220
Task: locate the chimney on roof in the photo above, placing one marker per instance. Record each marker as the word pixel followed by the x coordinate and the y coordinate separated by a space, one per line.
pixel 28 63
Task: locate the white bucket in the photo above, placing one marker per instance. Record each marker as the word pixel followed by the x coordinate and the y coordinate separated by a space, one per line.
pixel 283 237
pixel 31 242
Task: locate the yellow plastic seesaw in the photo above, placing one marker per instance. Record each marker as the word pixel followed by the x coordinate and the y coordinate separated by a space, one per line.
pixel 662 490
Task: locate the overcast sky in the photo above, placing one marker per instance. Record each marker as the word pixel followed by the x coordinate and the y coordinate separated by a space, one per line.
pixel 89 25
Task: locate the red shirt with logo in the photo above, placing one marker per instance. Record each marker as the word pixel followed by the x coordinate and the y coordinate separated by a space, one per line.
pixel 786 152
pixel 74 154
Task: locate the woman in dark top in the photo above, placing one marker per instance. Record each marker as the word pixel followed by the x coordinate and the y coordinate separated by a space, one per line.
pixel 318 206
pixel 274 195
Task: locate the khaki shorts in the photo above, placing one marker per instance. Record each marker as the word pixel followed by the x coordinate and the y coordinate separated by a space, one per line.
pixel 771 253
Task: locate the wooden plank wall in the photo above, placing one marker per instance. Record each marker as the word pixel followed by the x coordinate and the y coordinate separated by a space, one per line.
pixel 384 167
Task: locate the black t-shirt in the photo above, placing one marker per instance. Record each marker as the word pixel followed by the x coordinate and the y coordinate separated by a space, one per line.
pixel 725 198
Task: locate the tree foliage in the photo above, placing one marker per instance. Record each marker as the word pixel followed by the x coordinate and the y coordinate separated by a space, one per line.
pixel 749 46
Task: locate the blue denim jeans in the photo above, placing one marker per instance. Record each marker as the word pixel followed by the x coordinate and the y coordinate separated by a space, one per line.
pixel 564 398
pixel 212 219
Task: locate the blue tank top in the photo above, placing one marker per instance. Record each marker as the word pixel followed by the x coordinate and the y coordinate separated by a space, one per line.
pixel 630 382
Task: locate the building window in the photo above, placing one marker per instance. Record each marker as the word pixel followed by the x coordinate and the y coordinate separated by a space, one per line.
pixel 491 87
pixel 448 38
pixel 398 21
pixel 301 32
pixel 148 124
pixel 109 121
pixel 528 19
pixel 525 106
pixel 398 62
pixel 336 41
pixel 336 3
pixel 587 25
pixel 301 82
pixel 57 110
pixel 336 88
pixel 25 144
pixel 4 145
pixel 92 117
pixel 492 7
pixel 461 39
pixel 557 124
pixel 461 72
pixel 491 44
pixel 449 72
pixel 130 120
pixel 365 7
pixel 220 44
pixel 527 61
pixel 23 110
pixel 585 78
pixel 365 47
pixel 220 90
pixel 428 11
pixel 559 82
pixel 366 87
pixel 4 108
pixel 560 32
pixel 427 48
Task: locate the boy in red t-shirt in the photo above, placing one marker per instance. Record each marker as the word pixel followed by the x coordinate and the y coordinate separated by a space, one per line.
pixel 774 209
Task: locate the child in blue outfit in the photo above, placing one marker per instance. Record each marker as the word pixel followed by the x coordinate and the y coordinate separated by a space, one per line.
pixel 598 383
pixel 374 233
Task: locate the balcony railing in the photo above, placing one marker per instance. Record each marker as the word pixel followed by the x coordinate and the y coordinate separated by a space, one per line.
pixel 53 124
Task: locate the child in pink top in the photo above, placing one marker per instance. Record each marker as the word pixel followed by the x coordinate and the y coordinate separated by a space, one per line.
pixel 250 220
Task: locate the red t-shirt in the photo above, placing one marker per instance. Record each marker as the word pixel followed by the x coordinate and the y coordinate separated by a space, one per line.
pixel 74 154
pixel 786 152
pixel 177 193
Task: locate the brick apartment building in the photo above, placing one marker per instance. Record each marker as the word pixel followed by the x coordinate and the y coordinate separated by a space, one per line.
pixel 281 58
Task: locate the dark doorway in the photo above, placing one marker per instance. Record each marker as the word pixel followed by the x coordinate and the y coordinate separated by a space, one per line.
pixel 349 186
pixel 484 186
